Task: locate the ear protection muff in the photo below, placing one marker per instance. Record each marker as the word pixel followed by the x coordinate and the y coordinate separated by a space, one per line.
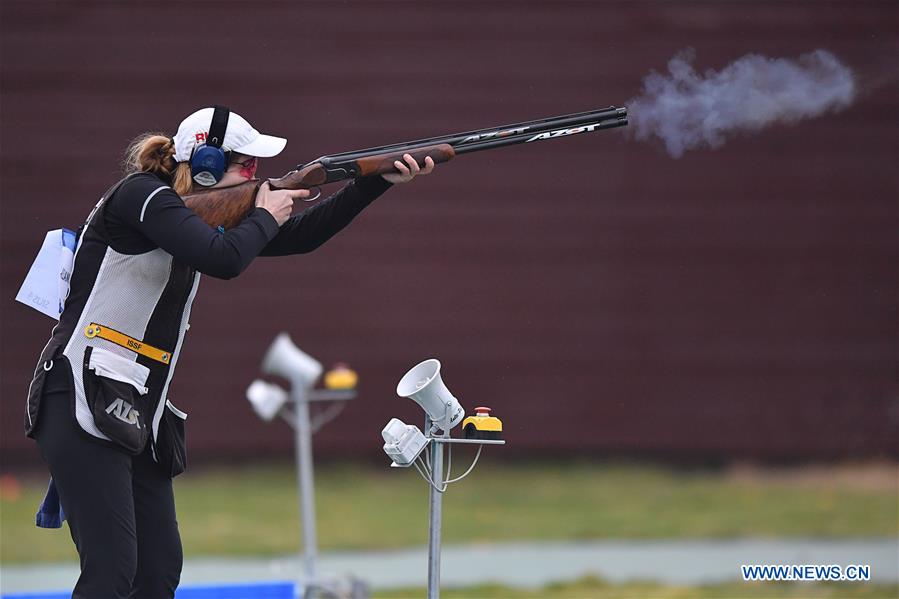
pixel 208 161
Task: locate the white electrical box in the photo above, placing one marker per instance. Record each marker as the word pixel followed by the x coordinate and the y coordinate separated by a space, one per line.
pixel 403 442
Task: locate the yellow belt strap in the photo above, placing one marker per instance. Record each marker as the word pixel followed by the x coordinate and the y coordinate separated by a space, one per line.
pixel 113 336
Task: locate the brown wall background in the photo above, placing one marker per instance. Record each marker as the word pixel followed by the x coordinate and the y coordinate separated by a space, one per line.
pixel 603 298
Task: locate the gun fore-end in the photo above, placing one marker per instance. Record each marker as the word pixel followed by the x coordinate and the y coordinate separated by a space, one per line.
pixel 224 207
pixel 379 164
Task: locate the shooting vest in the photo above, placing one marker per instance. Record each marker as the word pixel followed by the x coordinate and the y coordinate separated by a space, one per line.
pixel 119 336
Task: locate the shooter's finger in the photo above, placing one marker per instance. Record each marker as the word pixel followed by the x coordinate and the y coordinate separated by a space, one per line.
pixel 413 164
pixel 402 168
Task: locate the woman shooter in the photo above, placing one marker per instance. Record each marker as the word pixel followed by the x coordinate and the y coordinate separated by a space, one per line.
pixel 97 404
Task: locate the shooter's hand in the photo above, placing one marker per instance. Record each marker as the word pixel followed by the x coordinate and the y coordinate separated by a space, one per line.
pixel 279 202
pixel 410 170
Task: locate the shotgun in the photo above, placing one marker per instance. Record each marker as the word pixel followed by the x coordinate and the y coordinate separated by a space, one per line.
pixel 227 206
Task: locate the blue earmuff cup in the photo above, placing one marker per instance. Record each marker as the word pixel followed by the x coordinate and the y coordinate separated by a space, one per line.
pixel 207 165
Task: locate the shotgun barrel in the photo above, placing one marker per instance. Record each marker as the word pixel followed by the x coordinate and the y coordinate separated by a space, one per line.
pixel 226 207
pixel 457 140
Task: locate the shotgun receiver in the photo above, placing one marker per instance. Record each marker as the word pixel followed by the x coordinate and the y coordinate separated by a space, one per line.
pixel 227 206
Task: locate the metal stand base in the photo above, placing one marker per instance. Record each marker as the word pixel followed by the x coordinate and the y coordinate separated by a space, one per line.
pixel 435 498
pixel 436 515
pixel 336 588
pixel 304 428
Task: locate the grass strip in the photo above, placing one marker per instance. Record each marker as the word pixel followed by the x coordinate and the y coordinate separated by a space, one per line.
pixel 254 511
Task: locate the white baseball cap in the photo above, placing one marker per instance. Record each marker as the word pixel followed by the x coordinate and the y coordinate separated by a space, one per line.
pixel 239 136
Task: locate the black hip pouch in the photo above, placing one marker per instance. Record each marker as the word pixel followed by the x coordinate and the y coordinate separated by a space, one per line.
pixel 170 447
pixel 117 398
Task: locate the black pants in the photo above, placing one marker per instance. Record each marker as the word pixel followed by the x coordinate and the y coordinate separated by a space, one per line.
pixel 120 508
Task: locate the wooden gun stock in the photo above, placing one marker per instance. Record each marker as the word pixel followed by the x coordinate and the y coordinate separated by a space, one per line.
pixel 228 206
pixel 225 206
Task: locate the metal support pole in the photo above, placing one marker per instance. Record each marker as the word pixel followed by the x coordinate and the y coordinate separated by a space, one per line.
pixel 305 482
pixel 436 512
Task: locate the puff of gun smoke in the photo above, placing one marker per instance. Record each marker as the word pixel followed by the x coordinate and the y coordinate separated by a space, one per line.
pixel 688 110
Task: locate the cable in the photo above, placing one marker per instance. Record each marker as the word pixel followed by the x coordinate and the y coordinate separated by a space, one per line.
pixel 467 472
pixel 449 464
pixel 326 415
pixel 419 469
pixel 427 477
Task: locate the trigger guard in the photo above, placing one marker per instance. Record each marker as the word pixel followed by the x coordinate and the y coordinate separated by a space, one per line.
pixel 316 196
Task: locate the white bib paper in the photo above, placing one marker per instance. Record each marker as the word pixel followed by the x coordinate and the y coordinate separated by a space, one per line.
pixel 46 286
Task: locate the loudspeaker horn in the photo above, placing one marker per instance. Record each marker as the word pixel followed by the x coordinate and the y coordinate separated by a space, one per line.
pixel 285 359
pixel 424 385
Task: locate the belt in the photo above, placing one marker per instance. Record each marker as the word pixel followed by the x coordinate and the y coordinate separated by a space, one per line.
pixel 114 336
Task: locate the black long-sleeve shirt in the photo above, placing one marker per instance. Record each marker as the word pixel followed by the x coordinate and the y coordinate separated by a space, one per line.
pixel 145 214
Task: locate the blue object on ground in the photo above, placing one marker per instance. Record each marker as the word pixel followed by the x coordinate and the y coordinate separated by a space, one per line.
pixel 50 513
pixel 266 590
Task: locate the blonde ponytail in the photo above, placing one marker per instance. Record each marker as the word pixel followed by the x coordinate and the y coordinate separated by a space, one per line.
pixel 150 153
pixel 155 153
pixel 182 182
